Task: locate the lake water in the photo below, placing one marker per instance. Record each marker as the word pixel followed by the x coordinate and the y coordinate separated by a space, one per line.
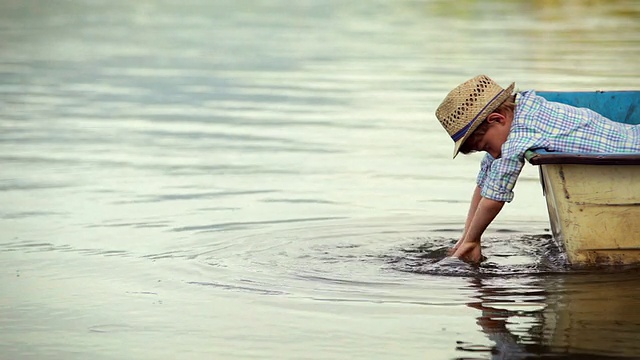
pixel 267 180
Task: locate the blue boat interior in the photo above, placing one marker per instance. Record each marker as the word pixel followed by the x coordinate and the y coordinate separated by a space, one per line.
pixel 619 106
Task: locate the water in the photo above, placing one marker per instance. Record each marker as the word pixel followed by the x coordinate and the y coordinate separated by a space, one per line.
pixel 266 179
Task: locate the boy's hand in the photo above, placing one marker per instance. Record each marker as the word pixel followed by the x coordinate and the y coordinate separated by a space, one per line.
pixel 469 251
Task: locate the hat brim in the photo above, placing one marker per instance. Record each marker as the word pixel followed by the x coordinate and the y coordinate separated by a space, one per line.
pixel 491 106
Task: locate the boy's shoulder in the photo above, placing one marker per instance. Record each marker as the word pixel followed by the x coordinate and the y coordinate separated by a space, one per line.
pixel 528 106
pixel 534 110
pixel 527 100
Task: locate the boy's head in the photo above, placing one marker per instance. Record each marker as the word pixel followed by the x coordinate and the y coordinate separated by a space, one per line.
pixel 464 111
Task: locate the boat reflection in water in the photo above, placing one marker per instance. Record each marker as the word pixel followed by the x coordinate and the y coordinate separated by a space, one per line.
pixel 584 315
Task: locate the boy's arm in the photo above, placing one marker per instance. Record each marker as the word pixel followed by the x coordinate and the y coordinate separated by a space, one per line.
pixel 486 211
pixel 475 199
pixel 485 165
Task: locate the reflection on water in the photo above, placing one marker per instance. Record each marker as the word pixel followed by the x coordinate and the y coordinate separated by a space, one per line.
pixel 266 179
pixel 561 317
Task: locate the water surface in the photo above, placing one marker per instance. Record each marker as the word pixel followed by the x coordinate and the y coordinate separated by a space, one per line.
pixel 267 180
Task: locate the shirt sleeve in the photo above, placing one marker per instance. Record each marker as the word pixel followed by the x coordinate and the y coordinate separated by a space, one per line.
pixel 485 165
pixel 501 179
pixel 503 173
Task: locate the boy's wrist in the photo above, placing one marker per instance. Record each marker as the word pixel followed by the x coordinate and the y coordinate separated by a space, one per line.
pixel 470 240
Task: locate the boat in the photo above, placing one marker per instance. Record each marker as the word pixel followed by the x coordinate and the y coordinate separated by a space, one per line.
pixel 593 199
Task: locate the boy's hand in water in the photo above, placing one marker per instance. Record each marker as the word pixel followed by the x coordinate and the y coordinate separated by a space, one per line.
pixel 469 251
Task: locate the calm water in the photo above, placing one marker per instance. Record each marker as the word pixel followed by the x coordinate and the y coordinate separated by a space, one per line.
pixel 267 180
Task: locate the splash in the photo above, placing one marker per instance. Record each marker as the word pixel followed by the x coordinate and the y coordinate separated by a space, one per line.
pixel 504 255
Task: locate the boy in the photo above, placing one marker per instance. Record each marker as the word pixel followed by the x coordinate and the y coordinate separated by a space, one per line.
pixel 479 115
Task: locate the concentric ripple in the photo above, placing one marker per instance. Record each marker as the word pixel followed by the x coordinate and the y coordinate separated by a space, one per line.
pixel 338 258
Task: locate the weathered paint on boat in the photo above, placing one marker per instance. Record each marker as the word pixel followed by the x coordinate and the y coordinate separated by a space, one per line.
pixel 594 211
pixel 594 199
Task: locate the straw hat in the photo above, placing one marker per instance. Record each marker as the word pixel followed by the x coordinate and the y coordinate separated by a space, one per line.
pixel 468 105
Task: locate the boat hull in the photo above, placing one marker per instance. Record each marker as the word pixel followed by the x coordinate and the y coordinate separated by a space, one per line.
pixel 594 211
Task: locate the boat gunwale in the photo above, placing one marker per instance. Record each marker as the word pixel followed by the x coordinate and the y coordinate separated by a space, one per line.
pixel 543 157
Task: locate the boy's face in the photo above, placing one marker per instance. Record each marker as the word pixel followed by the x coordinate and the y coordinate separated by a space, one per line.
pixel 496 134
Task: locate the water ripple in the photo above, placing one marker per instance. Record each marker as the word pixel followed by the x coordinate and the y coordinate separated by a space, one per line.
pixel 248 224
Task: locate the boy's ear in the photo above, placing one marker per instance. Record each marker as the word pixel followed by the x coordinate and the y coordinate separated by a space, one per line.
pixel 495 118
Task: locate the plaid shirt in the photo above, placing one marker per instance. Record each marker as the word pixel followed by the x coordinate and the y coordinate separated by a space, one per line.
pixel 541 124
